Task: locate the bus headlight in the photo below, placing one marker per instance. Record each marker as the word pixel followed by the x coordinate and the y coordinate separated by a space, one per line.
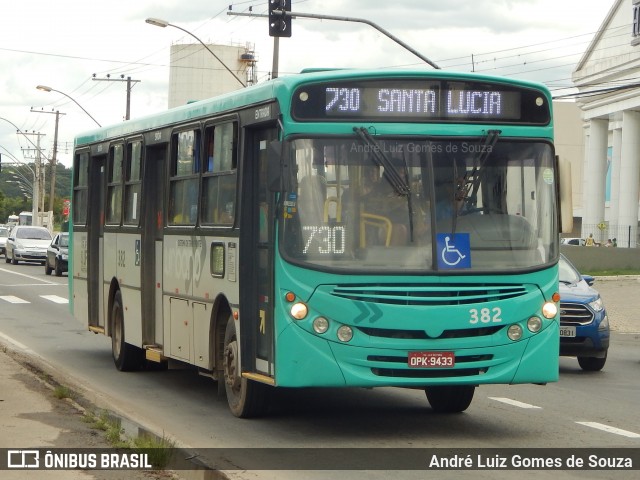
pixel 345 333
pixel 534 324
pixel 549 310
pixel 320 325
pixel 299 310
pixel 515 332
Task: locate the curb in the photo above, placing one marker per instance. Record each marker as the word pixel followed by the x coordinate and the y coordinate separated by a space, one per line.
pixel 47 375
pixel 617 277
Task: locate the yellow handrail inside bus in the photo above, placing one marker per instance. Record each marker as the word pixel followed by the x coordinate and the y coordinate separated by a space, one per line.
pixel 378 221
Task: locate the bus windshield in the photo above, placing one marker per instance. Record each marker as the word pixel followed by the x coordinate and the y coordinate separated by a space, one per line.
pixel 389 204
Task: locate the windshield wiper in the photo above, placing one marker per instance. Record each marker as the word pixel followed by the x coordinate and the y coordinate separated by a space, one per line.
pixel 490 140
pixel 460 184
pixel 390 172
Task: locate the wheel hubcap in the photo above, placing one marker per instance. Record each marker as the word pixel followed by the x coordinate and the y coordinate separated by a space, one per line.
pixel 231 376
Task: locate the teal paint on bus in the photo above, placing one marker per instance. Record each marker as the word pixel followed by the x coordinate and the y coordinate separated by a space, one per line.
pixel 307 358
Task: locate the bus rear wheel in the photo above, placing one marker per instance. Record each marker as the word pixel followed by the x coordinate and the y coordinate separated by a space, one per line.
pixel 125 356
pixel 245 397
pixel 450 398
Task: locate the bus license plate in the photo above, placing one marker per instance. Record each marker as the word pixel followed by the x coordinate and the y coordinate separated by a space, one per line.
pixel 567 331
pixel 431 359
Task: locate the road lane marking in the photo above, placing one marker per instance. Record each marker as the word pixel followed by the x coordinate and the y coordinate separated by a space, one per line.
pixel 54 298
pixel 607 428
pixel 515 403
pixel 38 279
pixel 12 299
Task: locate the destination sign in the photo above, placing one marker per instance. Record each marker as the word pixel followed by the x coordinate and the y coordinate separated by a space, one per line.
pixel 421 100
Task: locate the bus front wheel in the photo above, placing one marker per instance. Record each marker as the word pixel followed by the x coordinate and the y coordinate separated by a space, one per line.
pixel 245 397
pixel 450 398
pixel 125 356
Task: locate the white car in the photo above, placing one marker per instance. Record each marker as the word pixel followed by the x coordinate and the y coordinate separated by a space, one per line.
pixel 27 243
pixel 4 233
pixel 572 241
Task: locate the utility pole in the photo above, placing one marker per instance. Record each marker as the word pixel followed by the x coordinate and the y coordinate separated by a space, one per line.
pixel 37 183
pixel 54 161
pixel 129 87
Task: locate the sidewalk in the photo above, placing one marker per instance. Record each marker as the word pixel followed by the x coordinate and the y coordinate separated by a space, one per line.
pixel 32 417
pixel 621 299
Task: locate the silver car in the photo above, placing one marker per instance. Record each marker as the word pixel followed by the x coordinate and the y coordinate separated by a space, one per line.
pixel 27 243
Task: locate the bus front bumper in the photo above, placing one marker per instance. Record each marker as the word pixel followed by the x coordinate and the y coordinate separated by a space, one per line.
pixel 308 360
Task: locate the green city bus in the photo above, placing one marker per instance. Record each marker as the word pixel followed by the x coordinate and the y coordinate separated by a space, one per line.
pixel 356 228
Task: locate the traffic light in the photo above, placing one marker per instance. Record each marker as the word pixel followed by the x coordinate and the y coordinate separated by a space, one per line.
pixel 279 22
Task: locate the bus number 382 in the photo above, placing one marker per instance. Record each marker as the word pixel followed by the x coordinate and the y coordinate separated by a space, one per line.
pixel 485 315
pixel 328 240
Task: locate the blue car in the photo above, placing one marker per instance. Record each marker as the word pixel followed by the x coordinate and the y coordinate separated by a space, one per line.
pixel 584 325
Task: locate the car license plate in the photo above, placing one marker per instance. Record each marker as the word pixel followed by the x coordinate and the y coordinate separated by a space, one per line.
pixel 567 331
pixel 431 359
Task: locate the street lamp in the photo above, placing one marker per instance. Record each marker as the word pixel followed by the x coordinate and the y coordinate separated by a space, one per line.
pixel 44 88
pixel 163 23
pixel 54 162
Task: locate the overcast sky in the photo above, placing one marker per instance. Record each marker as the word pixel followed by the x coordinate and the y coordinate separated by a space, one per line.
pixel 63 43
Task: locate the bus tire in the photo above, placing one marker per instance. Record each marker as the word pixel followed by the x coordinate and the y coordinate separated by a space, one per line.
pixel 125 356
pixel 246 398
pixel 450 398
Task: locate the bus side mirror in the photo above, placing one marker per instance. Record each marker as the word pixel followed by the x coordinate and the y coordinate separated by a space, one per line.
pixel 275 168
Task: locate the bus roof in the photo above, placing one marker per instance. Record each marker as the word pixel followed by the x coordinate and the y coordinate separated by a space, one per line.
pixel 281 87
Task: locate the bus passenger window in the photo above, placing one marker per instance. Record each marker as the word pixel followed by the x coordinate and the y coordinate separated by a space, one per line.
pixel 132 188
pixel 80 188
pixel 185 166
pixel 114 186
pixel 208 164
pixel 219 176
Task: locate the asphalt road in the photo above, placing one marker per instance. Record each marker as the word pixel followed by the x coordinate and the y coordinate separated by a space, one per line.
pixel 572 412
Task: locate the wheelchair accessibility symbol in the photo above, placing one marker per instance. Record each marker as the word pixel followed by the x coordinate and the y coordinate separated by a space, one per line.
pixel 454 251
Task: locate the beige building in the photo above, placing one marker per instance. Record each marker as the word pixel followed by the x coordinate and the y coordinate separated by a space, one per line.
pixel 196 74
pixel 609 73
pixel 569 144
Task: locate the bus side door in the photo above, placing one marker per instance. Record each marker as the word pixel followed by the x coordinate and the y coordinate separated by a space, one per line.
pixel 256 256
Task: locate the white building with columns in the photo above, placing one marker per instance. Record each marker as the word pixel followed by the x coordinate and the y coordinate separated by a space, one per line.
pixel 608 77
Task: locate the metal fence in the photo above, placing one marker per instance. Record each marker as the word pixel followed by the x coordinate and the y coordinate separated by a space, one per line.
pixel 626 236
